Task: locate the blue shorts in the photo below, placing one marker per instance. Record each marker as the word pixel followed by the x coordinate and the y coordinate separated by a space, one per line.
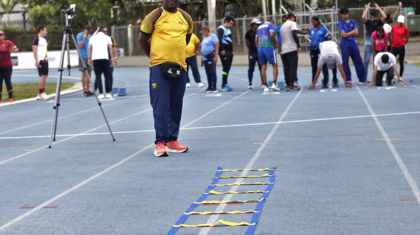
pixel 266 55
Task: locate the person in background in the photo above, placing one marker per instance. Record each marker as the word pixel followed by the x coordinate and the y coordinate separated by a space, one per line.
pixel 289 51
pixel 169 29
pixel 99 45
pixel 252 50
pixel 83 43
pixel 385 63
pixel 111 66
pixel 329 56
pixel 226 50
pixel 279 41
pixel 387 29
pixel 39 48
pixel 399 37
pixel 193 49
pixel 6 65
pixel 371 26
pixel 265 40
pixel 379 41
pixel 319 34
pixel 209 52
pixel 348 31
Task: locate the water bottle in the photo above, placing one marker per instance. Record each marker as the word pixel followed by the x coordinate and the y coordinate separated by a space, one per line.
pixel 411 81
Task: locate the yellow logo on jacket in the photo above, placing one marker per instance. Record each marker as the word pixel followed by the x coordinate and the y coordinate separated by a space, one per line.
pixel 154 85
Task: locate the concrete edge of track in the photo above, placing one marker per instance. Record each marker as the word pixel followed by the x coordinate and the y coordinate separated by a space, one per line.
pixel 76 88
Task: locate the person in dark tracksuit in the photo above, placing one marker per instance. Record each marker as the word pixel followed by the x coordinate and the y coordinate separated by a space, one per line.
pixel 252 50
pixel 226 50
pixel 349 48
pixel 169 30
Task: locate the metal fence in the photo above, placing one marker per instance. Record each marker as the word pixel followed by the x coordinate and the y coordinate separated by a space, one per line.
pixel 127 36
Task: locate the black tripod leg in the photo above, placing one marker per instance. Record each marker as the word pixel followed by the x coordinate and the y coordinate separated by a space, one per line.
pixel 91 84
pixel 57 96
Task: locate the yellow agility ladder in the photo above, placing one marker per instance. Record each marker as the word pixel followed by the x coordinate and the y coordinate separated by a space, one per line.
pixel 210 191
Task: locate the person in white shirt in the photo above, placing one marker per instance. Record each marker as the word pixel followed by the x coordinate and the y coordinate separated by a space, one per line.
pixel 385 63
pixel 99 45
pixel 330 56
pixel 39 48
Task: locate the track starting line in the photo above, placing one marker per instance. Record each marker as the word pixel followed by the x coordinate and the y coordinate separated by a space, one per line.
pixel 210 191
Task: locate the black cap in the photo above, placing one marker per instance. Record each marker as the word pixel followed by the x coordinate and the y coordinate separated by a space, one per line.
pixel 89 28
pixel 290 15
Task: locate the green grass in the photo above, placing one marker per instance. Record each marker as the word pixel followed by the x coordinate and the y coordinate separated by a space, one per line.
pixel 30 90
pixel 416 64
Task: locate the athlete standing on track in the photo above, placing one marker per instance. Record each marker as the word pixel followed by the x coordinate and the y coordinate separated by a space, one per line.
pixel 83 43
pixel 400 37
pixel 252 50
pixel 6 65
pixel 193 49
pixel 169 30
pixel 210 52
pixel 265 40
pixel 371 26
pixel 349 48
pixel 226 50
pixel 39 48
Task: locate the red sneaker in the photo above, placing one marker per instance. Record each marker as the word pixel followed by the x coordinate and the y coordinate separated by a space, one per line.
pixel 0 101
pixel 175 147
pixel 160 150
pixel 11 100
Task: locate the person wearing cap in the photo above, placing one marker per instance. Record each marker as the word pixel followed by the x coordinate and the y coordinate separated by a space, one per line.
pixel 265 39
pixel 319 34
pixel 348 31
pixel 83 43
pixel 371 26
pixel 331 57
pixel 399 37
pixel 6 65
pixel 385 63
pixel 252 50
pixel 40 48
pixel 289 51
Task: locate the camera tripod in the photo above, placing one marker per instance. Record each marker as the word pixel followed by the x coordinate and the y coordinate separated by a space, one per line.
pixel 67 32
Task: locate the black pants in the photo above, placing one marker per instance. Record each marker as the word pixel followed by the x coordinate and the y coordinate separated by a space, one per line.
pixel 252 59
pixel 401 52
pixel 290 62
pixel 192 62
pixel 102 66
pixel 227 63
pixel 6 75
pixel 389 76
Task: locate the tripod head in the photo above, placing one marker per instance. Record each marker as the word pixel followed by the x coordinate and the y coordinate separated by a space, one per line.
pixel 69 12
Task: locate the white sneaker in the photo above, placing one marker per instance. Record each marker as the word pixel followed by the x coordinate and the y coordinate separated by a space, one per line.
pixel 250 86
pixel 199 84
pixel 188 85
pixel 275 87
pixel 43 96
pixel 108 95
pixel 262 86
pixel 266 89
pixel 101 96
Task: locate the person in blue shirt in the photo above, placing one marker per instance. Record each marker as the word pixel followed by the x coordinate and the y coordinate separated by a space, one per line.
pixel 349 48
pixel 209 52
pixel 83 43
pixel 265 39
pixel 319 34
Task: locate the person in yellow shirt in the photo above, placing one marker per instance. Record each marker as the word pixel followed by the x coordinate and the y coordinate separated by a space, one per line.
pixel 169 30
pixel 193 49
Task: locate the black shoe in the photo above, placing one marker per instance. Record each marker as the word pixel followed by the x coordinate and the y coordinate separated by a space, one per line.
pixel 85 94
pixel 325 83
pixel 335 81
pixel 89 93
pixel 208 89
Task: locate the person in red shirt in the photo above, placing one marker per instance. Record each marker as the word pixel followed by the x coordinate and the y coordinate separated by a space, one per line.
pixel 6 65
pixel 399 38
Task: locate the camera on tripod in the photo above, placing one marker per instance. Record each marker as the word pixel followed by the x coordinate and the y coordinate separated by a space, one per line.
pixel 69 12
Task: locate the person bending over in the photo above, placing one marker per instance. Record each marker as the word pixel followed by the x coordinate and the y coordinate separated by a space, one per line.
pixel 385 63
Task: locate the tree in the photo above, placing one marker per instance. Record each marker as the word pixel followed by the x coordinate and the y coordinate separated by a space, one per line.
pixel 8 6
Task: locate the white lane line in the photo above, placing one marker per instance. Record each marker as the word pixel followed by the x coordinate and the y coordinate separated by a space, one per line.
pixel 19 218
pixel 217 108
pixel 413 185
pixel 221 207
pixel 416 86
pixel 211 127
pixel 19 156
pixel 49 120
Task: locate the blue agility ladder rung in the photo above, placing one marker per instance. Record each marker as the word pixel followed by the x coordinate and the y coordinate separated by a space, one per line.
pixel 121 92
pixel 210 191
pixel 114 91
